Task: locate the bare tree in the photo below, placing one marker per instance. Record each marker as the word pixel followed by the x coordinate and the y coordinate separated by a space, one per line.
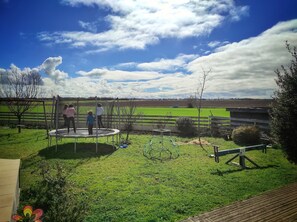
pixel 199 97
pixel 21 88
pixel 109 114
pixel 128 118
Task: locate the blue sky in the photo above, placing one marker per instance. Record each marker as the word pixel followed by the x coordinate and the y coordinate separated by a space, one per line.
pixel 148 49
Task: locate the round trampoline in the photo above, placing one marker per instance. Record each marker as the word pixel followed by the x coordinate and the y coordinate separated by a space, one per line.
pixel 82 133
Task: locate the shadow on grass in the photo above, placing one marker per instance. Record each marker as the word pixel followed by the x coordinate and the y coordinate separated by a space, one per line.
pixel 222 173
pixel 83 150
pixel 84 153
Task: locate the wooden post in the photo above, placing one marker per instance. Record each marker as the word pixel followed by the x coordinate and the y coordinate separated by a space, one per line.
pixel 216 150
pixel 45 118
pixel 242 158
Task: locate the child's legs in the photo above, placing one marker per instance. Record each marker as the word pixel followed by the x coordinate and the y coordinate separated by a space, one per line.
pixel 100 124
pixel 73 123
pixel 65 120
pixel 90 129
pixel 68 123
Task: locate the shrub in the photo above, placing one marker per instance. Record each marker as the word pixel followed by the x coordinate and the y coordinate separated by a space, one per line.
pixel 186 127
pixel 190 105
pixel 246 135
pixel 55 195
pixel 284 107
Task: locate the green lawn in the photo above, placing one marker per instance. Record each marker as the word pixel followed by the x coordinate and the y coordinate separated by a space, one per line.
pixel 147 111
pixel 183 111
pixel 123 185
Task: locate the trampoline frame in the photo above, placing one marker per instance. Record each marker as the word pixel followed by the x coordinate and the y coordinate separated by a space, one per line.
pixel 55 133
pixel 63 133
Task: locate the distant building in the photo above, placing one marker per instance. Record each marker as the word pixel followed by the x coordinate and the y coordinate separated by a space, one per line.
pixel 250 116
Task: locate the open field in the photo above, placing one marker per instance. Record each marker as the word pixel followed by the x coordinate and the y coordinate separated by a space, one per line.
pixel 162 111
pixel 123 185
pixel 207 103
pixel 182 103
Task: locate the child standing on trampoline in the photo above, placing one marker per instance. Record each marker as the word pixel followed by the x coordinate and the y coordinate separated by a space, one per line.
pixel 90 122
pixel 99 112
pixel 70 112
pixel 64 115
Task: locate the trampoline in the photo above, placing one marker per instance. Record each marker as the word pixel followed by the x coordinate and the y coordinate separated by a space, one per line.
pixel 82 133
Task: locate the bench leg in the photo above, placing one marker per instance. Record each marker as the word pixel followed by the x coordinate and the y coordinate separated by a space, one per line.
pixel 252 161
pixel 232 158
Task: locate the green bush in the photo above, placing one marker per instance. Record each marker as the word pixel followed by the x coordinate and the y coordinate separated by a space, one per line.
pixel 284 107
pixel 186 127
pixel 55 195
pixel 246 135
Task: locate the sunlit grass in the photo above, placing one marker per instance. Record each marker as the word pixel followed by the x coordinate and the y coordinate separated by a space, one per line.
pixel 159 111
pixel 163 111
pixel 123 185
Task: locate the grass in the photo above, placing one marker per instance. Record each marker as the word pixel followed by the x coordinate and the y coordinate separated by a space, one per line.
pixel 160 111
pixel 163 111
pixel 123 185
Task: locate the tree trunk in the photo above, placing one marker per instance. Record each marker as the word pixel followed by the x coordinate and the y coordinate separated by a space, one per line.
pixel 19 123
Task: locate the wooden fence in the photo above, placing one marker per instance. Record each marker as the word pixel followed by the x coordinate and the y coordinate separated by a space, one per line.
pixel 215 124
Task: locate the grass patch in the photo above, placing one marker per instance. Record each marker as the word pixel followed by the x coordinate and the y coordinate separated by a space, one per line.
pixel 123 185
pixel 163 111
pixel 160 111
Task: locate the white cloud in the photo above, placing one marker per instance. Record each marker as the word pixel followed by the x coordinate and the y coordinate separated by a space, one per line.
pixel 239 69
pixel 137 23
pixel 2 71
pixel 120 75
pixel 213 44
pixel 49 67
pixel 13 72
pixel 247 67
pixel 89 26
pixel 87 86
pixel 167 64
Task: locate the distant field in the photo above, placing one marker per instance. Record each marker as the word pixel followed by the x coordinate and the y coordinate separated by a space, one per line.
pixel 162 111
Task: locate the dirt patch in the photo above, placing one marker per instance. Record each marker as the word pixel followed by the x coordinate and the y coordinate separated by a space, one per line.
pixel 195 142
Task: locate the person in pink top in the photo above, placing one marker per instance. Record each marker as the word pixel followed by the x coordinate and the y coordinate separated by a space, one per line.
pixel 70 112
pixel 64 115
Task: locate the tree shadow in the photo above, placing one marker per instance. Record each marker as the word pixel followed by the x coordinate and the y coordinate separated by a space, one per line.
pixel 83 151
pixel 225 172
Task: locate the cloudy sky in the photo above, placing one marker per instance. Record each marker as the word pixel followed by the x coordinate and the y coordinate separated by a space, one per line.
pixel 148 48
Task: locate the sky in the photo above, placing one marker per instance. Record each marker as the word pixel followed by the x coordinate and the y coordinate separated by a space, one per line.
pixel 148 48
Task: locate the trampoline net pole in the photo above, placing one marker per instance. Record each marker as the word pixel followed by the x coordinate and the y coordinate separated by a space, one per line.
pixel 96 119
pixel 57 120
